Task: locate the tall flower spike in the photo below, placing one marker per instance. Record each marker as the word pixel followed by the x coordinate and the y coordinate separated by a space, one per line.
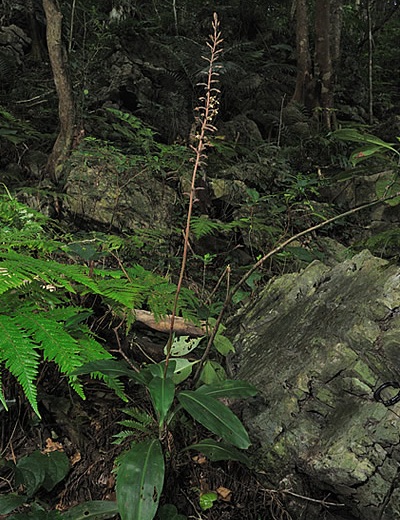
pixel 207 111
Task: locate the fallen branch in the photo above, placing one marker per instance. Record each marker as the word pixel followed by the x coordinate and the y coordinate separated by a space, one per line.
pixel 180 326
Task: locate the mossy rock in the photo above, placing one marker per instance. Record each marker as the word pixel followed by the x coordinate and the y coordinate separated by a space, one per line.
pixel 317 345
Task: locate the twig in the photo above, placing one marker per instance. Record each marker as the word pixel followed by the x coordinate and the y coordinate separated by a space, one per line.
pixel 120 350
pixel 309 499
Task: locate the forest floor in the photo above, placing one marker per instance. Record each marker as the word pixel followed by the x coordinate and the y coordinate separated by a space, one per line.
pixel 84 430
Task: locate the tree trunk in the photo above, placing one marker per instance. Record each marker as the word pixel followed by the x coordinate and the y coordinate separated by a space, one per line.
pixel 37 48
pixel 370 65
pixel 66 106
pixel 304 75
pixel 323 61
pixel 336 30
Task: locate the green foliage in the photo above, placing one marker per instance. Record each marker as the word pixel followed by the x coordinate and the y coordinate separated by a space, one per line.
pixel 131 147
pixel 15 130
pixel 140 471
pixel 140 481
pixel 215 416
pixel 44 471
pixel 386 187
pixel 96 510
pixel 207 500
pixel 169 512
pixel 217 451
pixel 385 243
pixel 39 319
pixel 41 470
pixel 373 145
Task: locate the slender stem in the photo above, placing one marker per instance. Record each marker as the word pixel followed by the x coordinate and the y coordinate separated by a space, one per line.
pixel 175 16
pixel 207 114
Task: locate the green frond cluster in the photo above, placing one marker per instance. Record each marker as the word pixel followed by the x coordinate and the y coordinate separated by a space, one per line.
pixel 141 421
pixel 30 333
pixel 40 316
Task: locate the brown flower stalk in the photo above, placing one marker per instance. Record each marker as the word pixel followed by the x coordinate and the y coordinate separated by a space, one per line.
pixel 207 111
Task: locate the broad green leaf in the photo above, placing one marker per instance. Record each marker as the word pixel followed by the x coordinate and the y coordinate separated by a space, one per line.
pixel 182 345
pixel 38 514
pixel 30 471
pixel 10 502
pixel 57 467
pixel 350 134
pixel 38 469
pixel 223 345
pixel 228 388
pixel 162 391
pixel 361 154
pixel 212 373
pixel 216 451
pixel 140 480
pixel 240 296
pixel 158 369
pixel 96 510
pixel 111 368
pixel 207 500
pixel 183 369
pixel 216 417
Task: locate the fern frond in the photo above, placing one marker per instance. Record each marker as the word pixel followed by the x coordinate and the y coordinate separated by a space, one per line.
pixel 21 357
pixel 129 294
pixel 92 350
pixel 202 226
pixel 57 344
pixel 17 269
pixel 3 400
pixel 141 421
pixel 135 425
pixel 113 383
pixel 121 436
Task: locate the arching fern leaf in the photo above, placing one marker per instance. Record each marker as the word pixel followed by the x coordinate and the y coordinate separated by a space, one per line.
pixel 21 357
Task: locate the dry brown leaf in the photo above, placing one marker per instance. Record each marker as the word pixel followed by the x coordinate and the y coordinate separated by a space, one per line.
pixel 76 457
pixel 199 459
pixel 224 493
pixel 52 446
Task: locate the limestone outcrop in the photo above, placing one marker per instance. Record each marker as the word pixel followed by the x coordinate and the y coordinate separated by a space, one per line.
pixel 318 344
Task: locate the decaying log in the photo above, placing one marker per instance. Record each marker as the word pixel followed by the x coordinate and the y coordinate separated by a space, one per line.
pixel 181 327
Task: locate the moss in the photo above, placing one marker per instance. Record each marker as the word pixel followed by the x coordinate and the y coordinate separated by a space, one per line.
pixel 365 373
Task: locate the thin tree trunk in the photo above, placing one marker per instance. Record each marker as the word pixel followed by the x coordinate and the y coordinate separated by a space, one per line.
pixel 336 30
pixel 370 65
pixel 323 60
pixel 37 49
pixel 304 76
pixel 66 106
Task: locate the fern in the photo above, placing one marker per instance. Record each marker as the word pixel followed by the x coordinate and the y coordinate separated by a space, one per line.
pixel 21 357
pixel 141 421
pixel 15 130
pixel 203 226
pixel 38 319
pixel 31 330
